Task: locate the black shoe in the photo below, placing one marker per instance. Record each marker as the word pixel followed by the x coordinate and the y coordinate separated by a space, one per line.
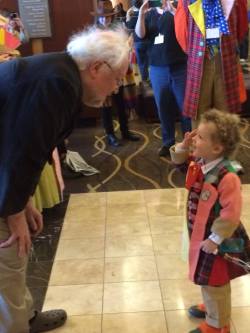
pixel 130 136
pixel 113 141
pixel 47 320
pixel 164 151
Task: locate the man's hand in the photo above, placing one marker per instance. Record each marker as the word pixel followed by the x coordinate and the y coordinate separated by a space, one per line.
pixel 19 232
pixel 4 57
pixel 34 219
pixel 208 246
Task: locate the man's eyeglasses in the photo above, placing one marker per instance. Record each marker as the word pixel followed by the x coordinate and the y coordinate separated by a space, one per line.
pixel 119 81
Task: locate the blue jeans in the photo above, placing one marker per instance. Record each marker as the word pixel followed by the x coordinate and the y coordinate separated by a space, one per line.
pixel 168 83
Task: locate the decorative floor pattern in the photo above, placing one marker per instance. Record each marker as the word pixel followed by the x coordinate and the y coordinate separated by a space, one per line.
pixel 135 165
pixel 118 265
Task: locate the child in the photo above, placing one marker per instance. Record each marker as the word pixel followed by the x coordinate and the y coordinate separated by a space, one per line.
pixel 213 214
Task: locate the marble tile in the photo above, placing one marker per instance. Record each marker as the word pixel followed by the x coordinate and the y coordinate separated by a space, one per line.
pixel 44 247
pixel 140 322
pixel 241 319
pixel 175 196
pixel 80 249
pixel 129 246
pixel 76 300
pixel 167 244
pixel 171 266
pixel 166 225
pixel 180 322
pixel 127 228
pixel 83 229
pixel 38 273
pixel 38 294
pixel 123 212
pixel 77 271
pixel 179 294
pixel 132 297
pixel 79 200
pixel 81 324
pixel 125 197
pixel 241 291
pixel 130 269
pixel 164 210
pixel 85 214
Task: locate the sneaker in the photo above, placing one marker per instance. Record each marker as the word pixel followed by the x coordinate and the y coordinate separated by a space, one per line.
pixel 113 141
pixel 197 311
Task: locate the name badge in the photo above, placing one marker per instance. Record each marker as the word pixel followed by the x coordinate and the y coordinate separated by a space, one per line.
pixel 159 39
pixel 212 33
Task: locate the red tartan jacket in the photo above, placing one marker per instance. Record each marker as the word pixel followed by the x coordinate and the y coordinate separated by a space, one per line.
pixel 193 42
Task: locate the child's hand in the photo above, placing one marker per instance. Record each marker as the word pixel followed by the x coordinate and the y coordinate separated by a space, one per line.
pixel 208 246
pixel 188 139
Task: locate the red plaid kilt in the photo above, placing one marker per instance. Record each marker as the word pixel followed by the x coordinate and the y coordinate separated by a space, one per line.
pixel 196 52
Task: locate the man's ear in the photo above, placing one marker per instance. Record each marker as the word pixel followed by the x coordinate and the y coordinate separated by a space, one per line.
pixel 94 69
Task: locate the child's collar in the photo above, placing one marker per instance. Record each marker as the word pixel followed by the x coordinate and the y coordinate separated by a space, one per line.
pixel 206 167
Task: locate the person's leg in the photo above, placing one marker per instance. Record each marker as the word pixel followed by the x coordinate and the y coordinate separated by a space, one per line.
pixel 219 97
pixel 107 120
pixel 159 77
pixel 206 88
pixel 178 80
pixel 16 305
pixel 118 100
pixel 141 50
pixel 217 301
pixel 121 111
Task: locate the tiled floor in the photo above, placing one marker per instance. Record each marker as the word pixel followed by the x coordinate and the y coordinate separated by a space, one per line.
pixel 118 267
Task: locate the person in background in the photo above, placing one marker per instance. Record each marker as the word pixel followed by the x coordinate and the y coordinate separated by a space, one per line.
pixel 105 14
pixel 141 45
pixel 213 215
pixel 168 64
pixel 210 33
pixel 41 96
pixel 121 13
pixel 12 23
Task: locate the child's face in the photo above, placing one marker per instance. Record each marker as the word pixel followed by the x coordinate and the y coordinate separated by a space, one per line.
pixel 203 144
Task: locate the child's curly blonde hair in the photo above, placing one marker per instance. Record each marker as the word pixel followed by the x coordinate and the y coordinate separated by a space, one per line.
pixel 227 129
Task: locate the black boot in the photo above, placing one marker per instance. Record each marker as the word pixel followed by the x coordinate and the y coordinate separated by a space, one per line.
pixel 113 141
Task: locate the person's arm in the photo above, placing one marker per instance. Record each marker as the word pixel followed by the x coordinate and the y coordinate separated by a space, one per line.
pixel 140 28
pixel 180 152
pixel 230 200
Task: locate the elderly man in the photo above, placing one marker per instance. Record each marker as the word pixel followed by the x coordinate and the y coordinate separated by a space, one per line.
pixel 40 97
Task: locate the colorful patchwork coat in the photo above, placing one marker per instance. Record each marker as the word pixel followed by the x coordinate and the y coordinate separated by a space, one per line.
pixel 190 33
pixel 215 206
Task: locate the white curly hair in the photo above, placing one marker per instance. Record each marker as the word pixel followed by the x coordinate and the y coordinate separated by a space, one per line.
pixel 93 44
